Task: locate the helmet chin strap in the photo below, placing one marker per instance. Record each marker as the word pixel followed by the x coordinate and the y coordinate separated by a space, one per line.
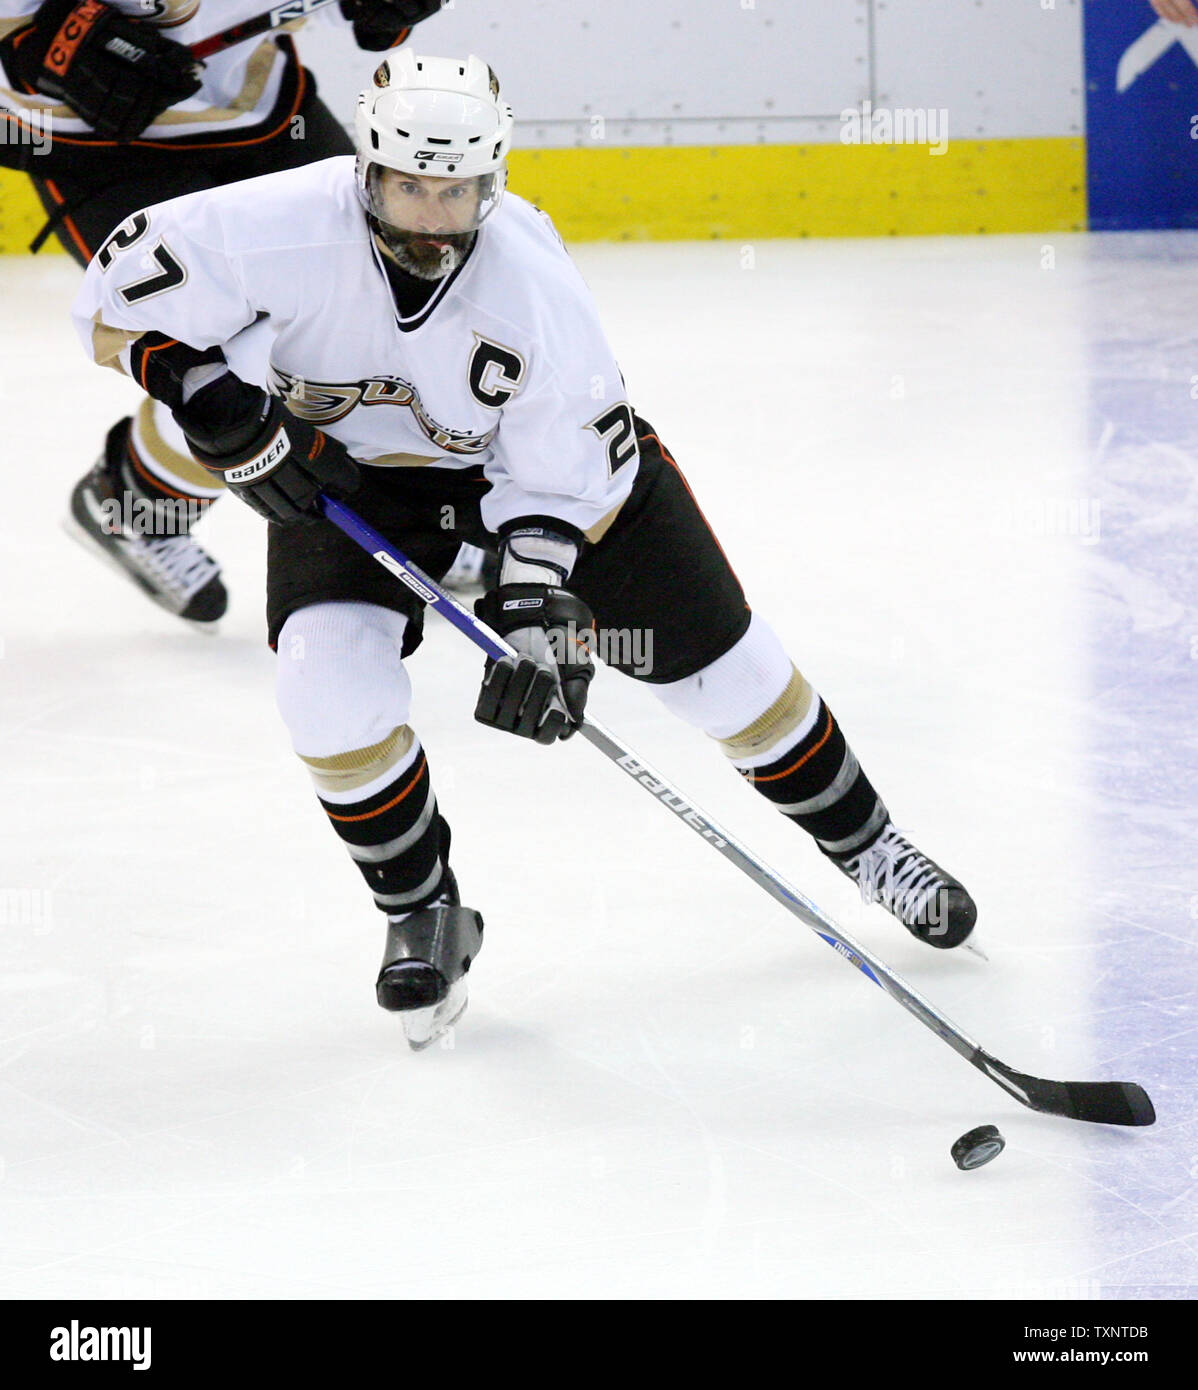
pixel 398 246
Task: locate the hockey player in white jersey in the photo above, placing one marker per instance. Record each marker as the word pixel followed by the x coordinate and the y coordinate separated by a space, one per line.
pixel 127 116
pixel 397 330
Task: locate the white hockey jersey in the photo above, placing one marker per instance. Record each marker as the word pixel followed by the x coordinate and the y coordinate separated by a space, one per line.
pixel 243 86
pixel 507 365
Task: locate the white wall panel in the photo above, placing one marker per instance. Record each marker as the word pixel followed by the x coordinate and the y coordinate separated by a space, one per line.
pixel 749 71
pixel 1002 68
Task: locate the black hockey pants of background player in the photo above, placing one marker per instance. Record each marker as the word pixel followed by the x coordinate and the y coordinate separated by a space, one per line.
pixel 120 78
pixel 146 456
pixel 342 626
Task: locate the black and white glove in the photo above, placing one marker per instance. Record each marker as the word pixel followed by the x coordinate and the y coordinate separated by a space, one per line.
pixel 259 450
pixel 118 74
pixel 541 693
pixel 380 24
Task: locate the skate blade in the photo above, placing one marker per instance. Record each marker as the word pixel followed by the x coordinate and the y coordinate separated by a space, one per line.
pixel 974 949
pixel 423 1027
pixel 86 541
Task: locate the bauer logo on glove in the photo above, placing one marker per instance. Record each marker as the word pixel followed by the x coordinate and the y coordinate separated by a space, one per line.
pixel 266 462
pixel 277 464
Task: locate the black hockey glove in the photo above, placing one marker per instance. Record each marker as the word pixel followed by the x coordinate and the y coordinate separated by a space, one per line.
pixel 542 692
pixel 160 365
pixel 265 455
pixel 380 24
pixel 118 74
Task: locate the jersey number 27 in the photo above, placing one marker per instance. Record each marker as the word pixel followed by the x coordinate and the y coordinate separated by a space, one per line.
pixel 168 275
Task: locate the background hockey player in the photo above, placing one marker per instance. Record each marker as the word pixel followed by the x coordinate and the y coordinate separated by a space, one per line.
pixel 398 331
pixel 134 119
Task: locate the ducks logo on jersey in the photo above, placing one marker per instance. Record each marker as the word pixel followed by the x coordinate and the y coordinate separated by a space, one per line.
pixel 325 402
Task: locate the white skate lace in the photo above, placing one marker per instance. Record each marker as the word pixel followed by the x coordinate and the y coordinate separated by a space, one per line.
pixel 176 563
pixel 893 872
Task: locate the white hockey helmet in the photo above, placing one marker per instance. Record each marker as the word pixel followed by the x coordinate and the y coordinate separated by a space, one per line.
pixel 435 117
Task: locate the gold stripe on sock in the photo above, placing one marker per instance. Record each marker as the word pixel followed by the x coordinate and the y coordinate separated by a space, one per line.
pixel 782 718
pixel 175 467
pixel 344 772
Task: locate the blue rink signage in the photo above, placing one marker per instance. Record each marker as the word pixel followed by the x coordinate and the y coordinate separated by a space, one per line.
pixel 1141 117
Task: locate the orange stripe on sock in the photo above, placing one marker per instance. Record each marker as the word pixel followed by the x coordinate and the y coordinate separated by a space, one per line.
pixel 810 753
pixel 154 480
pixel 369 815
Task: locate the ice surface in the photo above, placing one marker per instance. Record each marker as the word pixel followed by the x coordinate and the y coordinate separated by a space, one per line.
pixel 959 478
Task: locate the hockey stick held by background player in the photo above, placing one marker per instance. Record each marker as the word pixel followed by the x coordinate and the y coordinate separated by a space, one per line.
pixel 136 118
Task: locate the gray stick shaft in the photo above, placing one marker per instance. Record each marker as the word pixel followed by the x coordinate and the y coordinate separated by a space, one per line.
pixel 614 749
pixel 776 886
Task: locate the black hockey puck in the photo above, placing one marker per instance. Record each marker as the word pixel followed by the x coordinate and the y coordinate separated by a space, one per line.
pixel 977 1147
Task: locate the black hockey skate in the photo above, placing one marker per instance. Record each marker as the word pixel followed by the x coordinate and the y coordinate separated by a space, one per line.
pixel 931 904
pixel 427 955
pixel 173 570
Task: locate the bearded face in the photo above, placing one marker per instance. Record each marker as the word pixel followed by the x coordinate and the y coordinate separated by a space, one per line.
pixel 427 224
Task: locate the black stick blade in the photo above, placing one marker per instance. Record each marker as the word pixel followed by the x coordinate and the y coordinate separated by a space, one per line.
pixel 1109 1102
pixel 1098 1102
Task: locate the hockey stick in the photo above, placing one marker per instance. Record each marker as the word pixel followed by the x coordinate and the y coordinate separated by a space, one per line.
pixel 1101 1102
pixel 260 24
